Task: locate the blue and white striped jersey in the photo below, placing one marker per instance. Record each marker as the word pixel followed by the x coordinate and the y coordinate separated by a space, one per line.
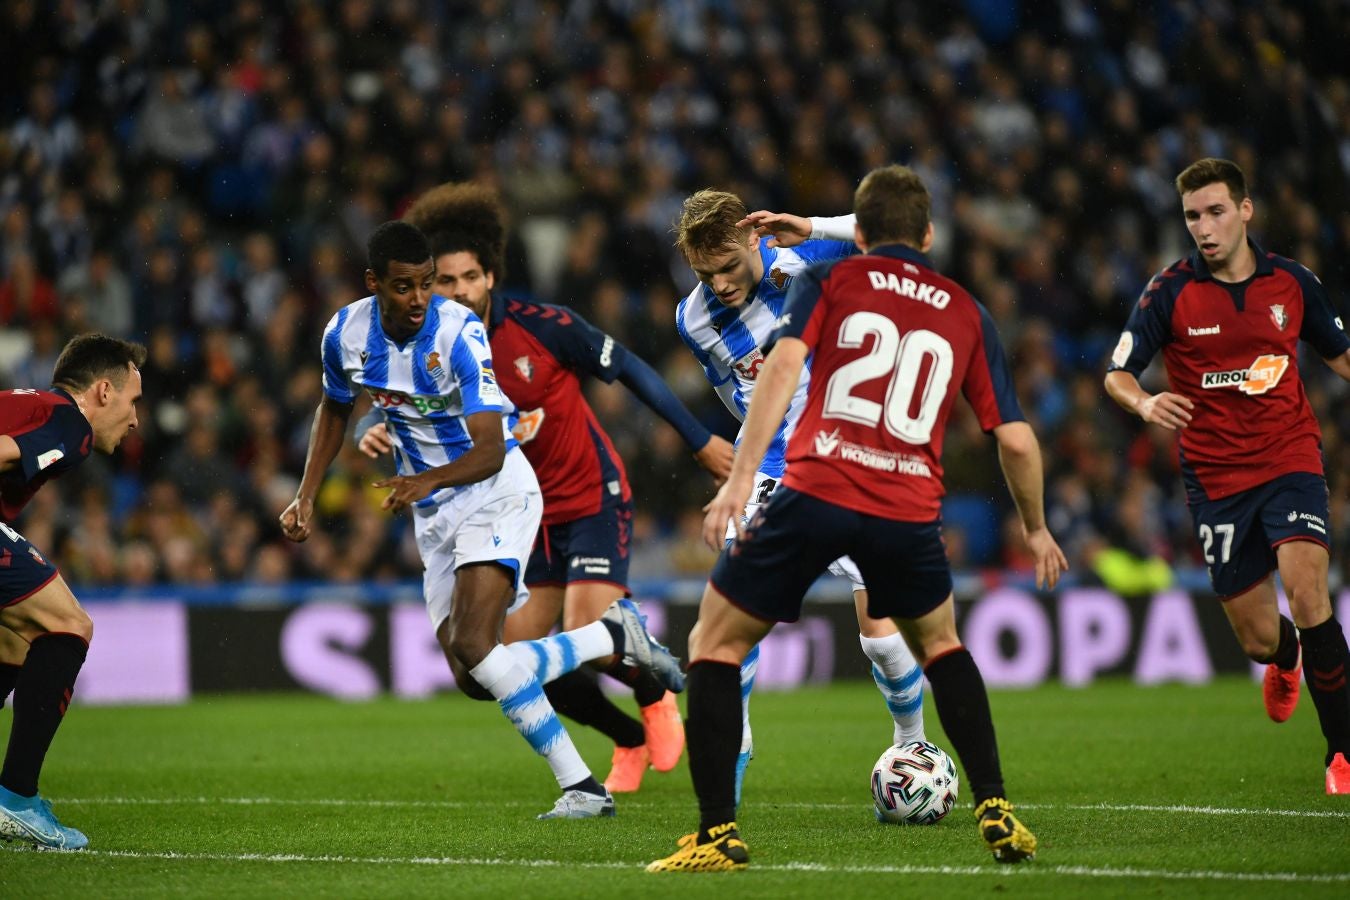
pixel 727 341
pixel 424 388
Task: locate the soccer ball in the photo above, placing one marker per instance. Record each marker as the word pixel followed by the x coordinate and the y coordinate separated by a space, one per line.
pixel 914 784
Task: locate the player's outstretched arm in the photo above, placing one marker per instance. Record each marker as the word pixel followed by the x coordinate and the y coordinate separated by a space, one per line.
pixel 787 230
pixel 780 229
pixel 1171 411
pixel 774 387
pixel 714 453
pixel 1019 454
pixel 483 460
pixel 325 440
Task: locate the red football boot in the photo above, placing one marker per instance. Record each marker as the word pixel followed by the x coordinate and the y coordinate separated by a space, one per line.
pixel 1280 690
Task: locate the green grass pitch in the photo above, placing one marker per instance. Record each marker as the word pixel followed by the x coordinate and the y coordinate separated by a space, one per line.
pixel 1175 791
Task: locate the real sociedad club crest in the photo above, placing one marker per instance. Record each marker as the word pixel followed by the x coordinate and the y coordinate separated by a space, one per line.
pixel 434 367
pixel 1277 316
pixel 525 368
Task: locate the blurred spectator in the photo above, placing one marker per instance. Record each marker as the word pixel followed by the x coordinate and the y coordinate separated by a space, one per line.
pixel 203 177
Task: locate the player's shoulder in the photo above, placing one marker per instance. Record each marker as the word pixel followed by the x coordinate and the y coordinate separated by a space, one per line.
pixel 536 315
pixel 37 398
pixel 354 313
pixel 815 251
pixel 693 316
pixel 1168 282
pixel 1302 274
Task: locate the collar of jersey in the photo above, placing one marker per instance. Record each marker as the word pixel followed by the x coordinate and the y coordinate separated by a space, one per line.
pixel 904 252
pixel 1263 264
pixel 496 310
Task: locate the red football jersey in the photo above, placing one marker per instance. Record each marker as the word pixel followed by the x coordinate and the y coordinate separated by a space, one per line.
pixel 540 352
pixel 1232 350
pixel 893 342
pixel 53 437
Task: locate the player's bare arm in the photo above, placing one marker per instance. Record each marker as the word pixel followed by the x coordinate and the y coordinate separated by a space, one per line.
pixel 375 442
pixel 9 452
pixel 483 460
pixel 1338 364
pixel 325 440
pixel 1019 454
pixel 787 230
pixel 1171 411
pixel 773 393
pixel 716 456
pixel 781 229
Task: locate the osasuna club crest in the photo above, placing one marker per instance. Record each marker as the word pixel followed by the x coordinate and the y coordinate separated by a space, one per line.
pixel 525 368
pixel 1277 316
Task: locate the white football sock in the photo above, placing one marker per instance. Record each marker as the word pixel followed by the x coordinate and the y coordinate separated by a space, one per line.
pixel 900 681
pixel 522 700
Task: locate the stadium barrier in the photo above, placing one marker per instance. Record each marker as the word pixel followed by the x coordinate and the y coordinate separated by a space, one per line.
pixel 168 644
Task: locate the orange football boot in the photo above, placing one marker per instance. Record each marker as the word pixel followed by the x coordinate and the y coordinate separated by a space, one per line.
pixel 627 768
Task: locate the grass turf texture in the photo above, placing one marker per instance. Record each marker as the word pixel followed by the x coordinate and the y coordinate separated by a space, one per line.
pixel 307 797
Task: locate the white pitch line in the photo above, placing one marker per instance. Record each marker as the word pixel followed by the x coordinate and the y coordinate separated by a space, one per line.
pixel 1026 871
pixel 457 804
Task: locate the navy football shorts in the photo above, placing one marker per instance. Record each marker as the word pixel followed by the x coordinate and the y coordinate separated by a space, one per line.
pixel 592 548
pixel 23 570
pixel 1238 534
pixel 793 539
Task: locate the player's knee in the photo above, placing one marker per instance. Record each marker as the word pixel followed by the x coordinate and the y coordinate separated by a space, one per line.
pixel 1259 645
pixel 1309 603
pixel 468 650
pixel 717 646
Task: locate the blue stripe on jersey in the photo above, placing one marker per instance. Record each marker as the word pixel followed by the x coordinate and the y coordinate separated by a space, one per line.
pixel 375 370
pixel 468 373
pixel 450 430
pixel 407 440
pixel 335 379
pixel 425 345
pixel 703 356
pixel 735 335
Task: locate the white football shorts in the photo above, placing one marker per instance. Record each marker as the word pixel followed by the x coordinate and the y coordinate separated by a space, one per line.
pixel 495 520
pixel 765 485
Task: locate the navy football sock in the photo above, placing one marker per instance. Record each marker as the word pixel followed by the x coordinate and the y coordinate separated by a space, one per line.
pixel 578 696
pixel 1286 652
pixel 41 694
pixel 963 708
pixel 713 729
pixel 1324 668
pixel 646 689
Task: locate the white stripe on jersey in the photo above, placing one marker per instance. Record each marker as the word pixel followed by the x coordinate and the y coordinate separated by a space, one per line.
pixel 727 343
pixel 425 388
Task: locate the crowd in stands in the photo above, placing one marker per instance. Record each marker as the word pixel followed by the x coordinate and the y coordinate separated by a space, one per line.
pixel 202 177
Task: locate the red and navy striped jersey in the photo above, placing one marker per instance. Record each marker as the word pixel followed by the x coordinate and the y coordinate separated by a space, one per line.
pixel 541 352
pixel 1232 350
pixel 53 437
pixel 893 342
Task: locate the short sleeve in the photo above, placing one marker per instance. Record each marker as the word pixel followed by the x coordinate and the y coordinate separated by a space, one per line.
pixel 471 365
